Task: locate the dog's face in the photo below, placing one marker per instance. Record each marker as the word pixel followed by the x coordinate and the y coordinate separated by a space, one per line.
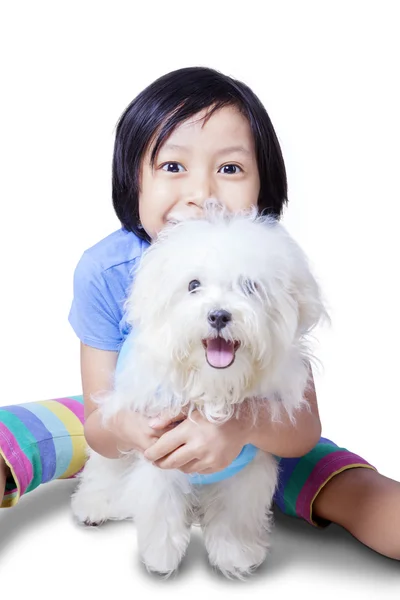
pixel 224 294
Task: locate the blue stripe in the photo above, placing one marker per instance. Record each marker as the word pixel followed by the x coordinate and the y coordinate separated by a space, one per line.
pixel 59 433
pixel 286 468
pixel 43 437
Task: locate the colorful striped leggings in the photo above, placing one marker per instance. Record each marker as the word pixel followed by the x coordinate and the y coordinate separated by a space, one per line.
pixel 42 441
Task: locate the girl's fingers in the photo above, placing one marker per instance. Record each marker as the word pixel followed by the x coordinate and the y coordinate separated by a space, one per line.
pixel 163 421
pixel 166 444
pixel 177 459
pixel 196 466
pixel 190 467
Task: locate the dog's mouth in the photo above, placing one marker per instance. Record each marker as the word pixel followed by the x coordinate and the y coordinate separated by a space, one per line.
pixel 220 353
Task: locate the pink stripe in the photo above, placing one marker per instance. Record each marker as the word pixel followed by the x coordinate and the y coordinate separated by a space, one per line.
pixel 321 473
pixel 18 460
pixel 74 406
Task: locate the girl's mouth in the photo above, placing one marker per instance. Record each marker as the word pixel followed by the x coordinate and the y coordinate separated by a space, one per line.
pixel 220 353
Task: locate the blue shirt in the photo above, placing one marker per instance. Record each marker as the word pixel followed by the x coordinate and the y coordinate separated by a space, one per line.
pixel 102 281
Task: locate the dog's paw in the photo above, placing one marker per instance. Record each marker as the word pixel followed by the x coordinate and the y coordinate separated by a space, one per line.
pixel 89 510
pixel 165 558
pixel 235 560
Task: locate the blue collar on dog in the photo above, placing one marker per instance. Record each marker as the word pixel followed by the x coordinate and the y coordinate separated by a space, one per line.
pixel 245 457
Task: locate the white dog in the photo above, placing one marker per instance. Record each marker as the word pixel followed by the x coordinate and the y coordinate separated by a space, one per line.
pixel 221 310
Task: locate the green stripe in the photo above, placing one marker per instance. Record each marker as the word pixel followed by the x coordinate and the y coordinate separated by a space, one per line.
pixel 27 443
pixel 302 472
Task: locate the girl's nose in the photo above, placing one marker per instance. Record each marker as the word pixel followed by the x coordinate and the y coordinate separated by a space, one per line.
pixel 198 191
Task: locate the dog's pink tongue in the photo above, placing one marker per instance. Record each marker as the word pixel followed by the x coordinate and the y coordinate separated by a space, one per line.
pixel 220 353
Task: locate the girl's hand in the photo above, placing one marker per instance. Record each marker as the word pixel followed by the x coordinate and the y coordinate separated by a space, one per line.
pixel 134 432
pixel 196 445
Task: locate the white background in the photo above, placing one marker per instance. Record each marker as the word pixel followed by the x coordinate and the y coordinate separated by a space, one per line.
pixel 327 73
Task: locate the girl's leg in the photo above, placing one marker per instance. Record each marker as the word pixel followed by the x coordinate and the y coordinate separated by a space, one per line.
pixel 367 504
pixel 3 476
pixel 331 484
pixel 302 479
pixel 39 442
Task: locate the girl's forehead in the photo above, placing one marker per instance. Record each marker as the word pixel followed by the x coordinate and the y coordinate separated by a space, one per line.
pixel 225 124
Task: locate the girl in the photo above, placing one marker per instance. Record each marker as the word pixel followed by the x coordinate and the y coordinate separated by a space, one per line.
pixel 192 134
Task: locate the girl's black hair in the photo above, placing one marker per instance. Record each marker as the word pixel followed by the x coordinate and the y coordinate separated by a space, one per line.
pixel 165 104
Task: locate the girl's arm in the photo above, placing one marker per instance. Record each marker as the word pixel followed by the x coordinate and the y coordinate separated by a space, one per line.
pixel 97 369
pixel 283 438
pixel 127 430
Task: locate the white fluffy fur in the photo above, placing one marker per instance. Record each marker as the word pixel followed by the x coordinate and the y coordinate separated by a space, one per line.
pixel 252 268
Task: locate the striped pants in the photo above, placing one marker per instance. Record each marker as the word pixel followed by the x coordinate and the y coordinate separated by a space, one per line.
pixel 43 441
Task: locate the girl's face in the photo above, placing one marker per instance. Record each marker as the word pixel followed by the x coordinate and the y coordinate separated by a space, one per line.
pixel 198 161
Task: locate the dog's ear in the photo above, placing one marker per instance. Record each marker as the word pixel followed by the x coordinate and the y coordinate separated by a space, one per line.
pixel 300 288
pixel 145 292
pixel 308 297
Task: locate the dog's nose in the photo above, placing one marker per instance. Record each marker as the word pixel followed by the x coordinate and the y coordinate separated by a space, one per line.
pixel 219 319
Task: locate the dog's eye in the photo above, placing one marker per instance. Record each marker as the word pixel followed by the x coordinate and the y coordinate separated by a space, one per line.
pixel 193 285
pixel 248 286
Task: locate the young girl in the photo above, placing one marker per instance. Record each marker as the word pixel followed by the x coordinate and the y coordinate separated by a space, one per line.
pixel 192 134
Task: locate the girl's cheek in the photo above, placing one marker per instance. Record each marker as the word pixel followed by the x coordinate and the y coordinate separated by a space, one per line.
pixel 239 197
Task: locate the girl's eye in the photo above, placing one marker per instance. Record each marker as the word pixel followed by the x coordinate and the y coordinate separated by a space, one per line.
pixel 193 285
pixel 173 167
pixel 230 169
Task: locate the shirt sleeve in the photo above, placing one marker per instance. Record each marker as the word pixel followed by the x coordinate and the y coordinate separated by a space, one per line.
pixel 94 314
